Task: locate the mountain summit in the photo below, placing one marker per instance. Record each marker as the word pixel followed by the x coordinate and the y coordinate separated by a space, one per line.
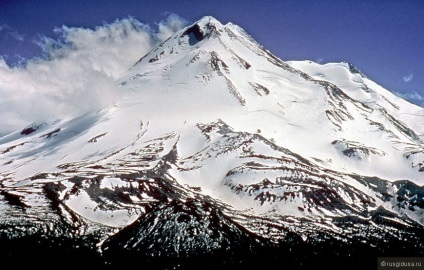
pixel 218 148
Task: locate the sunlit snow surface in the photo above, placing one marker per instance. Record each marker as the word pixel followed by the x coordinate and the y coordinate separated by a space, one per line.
pixel 210 115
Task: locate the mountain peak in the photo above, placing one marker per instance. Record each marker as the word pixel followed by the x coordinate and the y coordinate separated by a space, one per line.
pixel 353 69
pixel 205 27
pixel 209 20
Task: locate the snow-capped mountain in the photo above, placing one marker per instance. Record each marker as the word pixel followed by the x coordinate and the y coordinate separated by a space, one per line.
pixel 219 148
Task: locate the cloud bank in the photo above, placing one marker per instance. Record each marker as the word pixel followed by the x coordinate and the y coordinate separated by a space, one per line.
pixel 76 72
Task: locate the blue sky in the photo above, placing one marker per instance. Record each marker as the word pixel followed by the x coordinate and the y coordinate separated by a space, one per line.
pixel 384 38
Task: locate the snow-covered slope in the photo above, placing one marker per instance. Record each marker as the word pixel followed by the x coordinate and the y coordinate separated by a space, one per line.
pixel 211 124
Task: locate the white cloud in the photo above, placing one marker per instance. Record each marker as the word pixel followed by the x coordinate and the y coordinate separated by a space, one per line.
pixel 170 26
pixel 10 33
pixel 77 72
pixel 413 97
pixel 319 60
pixel 408 77
pixel 17 36
pixel 3 27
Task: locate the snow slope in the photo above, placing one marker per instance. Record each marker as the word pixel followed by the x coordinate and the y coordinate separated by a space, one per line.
pixel 211 115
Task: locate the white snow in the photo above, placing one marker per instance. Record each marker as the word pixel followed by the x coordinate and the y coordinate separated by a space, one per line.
pixel 179 85
pixel 84 206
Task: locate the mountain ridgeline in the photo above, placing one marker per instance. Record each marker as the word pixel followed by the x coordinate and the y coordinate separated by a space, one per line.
pixel 218 154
